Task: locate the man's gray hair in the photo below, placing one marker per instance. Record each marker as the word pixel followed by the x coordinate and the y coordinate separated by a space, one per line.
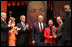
pixel 22 16
pixel 40 16
pixel 3 14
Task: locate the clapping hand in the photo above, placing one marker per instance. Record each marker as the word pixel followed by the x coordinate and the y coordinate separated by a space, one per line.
pixel 33 42
pixel 18 28
pixel 51 36
pixel 54 36
pixel 26 27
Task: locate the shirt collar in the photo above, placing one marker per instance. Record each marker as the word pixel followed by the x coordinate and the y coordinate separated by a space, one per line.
pixel 61 23
pixel 39 22
pixel 22 23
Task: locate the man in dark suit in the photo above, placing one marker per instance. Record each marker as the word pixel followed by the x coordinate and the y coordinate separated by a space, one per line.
pixel 4 30
pixel 59 31
pixel 38 31
pixel 23 33
pixel 66 37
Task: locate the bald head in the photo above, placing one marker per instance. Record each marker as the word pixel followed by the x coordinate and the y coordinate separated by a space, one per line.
pixel 3 15
pixel 59 17
pixel 40 18
pixel 67 8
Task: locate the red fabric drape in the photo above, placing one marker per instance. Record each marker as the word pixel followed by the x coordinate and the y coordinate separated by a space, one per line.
pixel 4 6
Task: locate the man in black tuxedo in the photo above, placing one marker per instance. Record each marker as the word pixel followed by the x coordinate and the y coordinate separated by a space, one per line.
pixel 4 30
pixel 22 39
pixel 66 37
pixel 38 31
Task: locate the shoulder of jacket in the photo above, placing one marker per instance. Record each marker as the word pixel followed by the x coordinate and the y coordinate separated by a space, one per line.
pixel 18 23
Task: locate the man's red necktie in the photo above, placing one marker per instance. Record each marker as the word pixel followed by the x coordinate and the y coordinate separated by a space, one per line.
pixel 41 27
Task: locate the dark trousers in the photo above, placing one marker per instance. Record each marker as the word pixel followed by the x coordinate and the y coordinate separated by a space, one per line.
pixel 39 44
pixel 36 44
pixel 59 43
pixel 67 43
pixel 21 39
pixel 21 44
pixel 49 44
pixel 26 40
pixel 4 43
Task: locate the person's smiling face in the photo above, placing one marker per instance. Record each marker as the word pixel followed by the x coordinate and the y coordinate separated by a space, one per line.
pixel 50 23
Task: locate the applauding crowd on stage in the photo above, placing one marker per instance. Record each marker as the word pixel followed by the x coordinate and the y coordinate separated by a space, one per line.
pixel 43 34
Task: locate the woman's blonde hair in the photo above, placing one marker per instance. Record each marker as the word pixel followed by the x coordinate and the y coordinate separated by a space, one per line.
pixel 12 18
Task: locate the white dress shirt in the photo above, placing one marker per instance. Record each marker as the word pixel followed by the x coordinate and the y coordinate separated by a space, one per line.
pixel 41 24
pixel 22 23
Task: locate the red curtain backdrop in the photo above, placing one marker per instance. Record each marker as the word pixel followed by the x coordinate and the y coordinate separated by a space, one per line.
pixel 4 6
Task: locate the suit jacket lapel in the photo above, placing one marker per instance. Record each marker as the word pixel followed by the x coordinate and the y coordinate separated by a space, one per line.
pixel 43 26
pixel 21 25
pixel 38 27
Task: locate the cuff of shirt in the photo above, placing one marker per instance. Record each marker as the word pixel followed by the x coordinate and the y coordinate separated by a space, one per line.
pixel 8 25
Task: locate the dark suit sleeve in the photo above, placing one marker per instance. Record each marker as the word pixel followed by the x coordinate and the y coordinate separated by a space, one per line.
pixel 44 29
pixel 60 30
pixel 67 28
pixel 5 27
pixel 45 25
pixel 33 33
pixel 20 27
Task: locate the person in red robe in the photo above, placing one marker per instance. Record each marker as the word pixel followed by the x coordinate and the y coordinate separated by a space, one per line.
pixel 50 34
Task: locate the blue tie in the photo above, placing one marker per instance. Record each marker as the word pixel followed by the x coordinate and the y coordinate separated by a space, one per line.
pixel 23 25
